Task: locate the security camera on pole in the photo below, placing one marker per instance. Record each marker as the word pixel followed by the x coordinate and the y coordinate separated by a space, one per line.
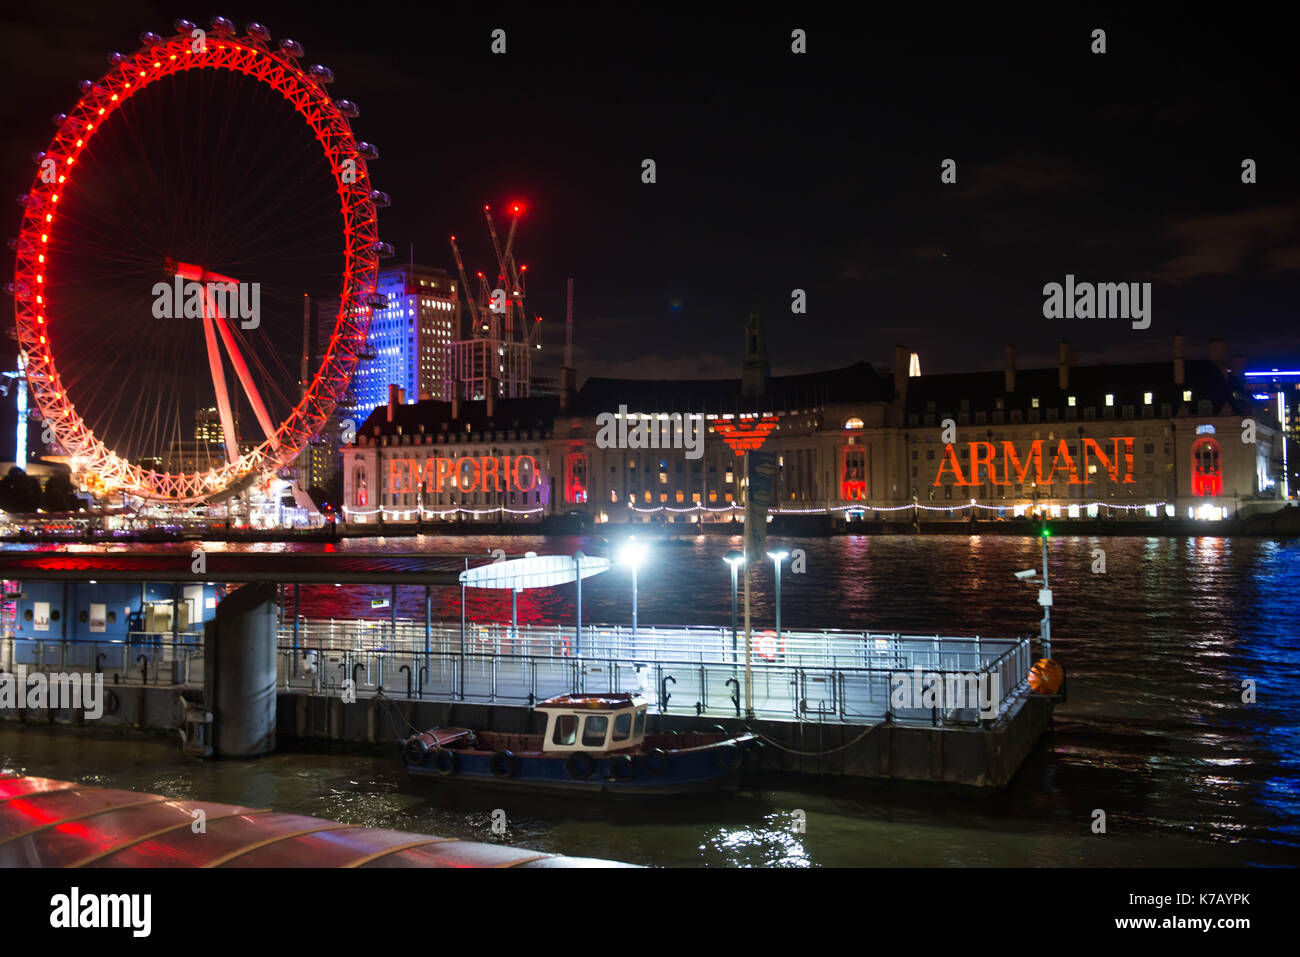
pixel 1046 676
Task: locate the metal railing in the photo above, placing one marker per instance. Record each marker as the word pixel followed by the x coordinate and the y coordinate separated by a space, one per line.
pixel 154 658
pixel 827 676
pixel 830 675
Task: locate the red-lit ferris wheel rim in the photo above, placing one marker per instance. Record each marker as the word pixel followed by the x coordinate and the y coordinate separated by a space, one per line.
pixel 35 310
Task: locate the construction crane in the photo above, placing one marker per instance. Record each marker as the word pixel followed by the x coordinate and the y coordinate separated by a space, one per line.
pixel 476 319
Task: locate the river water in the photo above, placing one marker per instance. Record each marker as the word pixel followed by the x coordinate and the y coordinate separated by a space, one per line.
pixel 1155 733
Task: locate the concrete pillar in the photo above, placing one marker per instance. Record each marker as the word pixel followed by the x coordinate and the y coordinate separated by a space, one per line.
pixel 239 672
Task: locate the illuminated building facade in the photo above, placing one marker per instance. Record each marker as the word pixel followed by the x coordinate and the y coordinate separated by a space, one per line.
pixel 1181 437
pixel 408 339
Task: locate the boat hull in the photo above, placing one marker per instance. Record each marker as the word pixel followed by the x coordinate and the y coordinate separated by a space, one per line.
pixel 705 769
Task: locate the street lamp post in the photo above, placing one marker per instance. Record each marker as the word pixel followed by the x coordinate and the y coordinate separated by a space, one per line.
pixel 778 556
pixel 633 554
pixel 735 560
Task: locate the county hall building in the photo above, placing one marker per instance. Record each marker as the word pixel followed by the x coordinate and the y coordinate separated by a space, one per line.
pixel 1180 437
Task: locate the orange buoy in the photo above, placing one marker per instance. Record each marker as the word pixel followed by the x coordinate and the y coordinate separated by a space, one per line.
pixel 1046 676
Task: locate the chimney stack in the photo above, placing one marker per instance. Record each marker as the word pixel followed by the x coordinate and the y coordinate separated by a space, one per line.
pixel 1063 357
pixel 1219 353
pixel 901 357
pixel 396 396
pixel 1180 372
pixel 1010 371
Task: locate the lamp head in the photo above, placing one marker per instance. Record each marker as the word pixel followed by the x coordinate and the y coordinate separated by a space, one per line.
pixel 778 555
pixel 734 559
pixel 632 553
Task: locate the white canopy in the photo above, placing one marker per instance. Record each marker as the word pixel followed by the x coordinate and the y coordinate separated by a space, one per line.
pixel 537 571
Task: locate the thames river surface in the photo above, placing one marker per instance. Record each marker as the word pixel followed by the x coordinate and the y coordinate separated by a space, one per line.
pixel 1155 733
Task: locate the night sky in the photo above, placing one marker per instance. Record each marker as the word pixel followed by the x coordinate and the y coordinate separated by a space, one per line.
pixel 779 171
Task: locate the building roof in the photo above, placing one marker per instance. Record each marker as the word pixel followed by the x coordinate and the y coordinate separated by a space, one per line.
pixel 942 394
pixel 856 383
pixel 536 413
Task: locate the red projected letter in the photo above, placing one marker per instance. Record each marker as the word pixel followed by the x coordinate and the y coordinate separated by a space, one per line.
pixel 1110 465
pixel 443 470
pixel 950 461
pixel 1035 458
pixel 981 453
pixel 530 473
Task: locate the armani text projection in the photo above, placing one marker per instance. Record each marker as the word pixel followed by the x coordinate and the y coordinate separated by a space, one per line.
pixel 1015 468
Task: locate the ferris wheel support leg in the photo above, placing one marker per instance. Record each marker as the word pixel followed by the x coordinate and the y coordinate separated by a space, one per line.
pixel 246 379
pixel 219 379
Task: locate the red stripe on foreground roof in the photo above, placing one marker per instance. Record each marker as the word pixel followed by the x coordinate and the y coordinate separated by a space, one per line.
pixel 48 823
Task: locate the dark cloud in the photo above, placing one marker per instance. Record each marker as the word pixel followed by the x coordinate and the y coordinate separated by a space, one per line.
pixel 1225 244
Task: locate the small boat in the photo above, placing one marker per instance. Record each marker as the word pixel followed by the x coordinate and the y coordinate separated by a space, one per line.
pixel 593 744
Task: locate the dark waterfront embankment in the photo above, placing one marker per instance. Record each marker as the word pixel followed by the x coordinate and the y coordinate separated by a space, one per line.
pixel 1283 523
pixel 1155 732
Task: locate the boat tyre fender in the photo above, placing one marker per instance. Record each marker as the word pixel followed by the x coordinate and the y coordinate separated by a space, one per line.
pixel 111 703
pixel 415 751
pixel 502 764
pixel 621 767
pixel 580 765
pixel 444 761
pixel 729 757
pixel 655 761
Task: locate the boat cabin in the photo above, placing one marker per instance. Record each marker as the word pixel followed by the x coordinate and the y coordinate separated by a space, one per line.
pixel 593 723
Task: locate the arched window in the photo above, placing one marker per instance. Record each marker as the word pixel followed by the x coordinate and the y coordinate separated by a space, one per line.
pixel 359 485
pixel 1207 477
pixel 854 423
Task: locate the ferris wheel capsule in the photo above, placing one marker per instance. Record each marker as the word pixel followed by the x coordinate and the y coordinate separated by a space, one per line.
pixel 258 31
pixel 348 108
pixel 222 26
pixel 116 58
pixel 368 151
pixel 58 119
pixel 85 86
pixel 383 250
pixel 380 198
pixel 150 39
pixel 291 47
pixel 184 26
pixel 322 73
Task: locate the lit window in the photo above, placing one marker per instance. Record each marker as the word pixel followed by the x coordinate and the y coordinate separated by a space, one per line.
pixel 1070 401
pixel 1033 403
pixel 1187 395
pixel 1146 398
pixel 1110 399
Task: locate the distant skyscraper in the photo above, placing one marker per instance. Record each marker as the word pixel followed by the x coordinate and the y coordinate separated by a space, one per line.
pixel 408 340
